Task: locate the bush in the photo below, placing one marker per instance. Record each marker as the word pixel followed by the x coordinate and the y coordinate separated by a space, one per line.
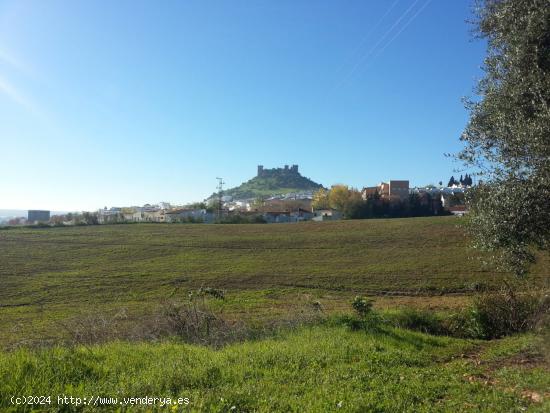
pixel 464 324
pixel 492 314
pixel 506 311
pixel 193 320
pixel 367 320
pixel 362 306
pixel 495 314
pixel 97 327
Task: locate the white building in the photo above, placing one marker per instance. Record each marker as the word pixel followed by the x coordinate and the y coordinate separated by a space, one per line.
pixel 112 214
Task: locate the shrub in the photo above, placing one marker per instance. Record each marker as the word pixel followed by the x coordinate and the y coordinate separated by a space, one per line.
pixel 368 319
pixel 362 306
pixel 492 314
pixel 193 320
pixel 97 327
pixel 353 323
pixel 464 324
pixel 495 314
pixel 507 311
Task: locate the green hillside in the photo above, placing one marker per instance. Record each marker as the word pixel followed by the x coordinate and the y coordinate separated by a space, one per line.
pixel 276 181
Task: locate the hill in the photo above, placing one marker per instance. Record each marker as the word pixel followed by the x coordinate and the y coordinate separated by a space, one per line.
pixel 276 181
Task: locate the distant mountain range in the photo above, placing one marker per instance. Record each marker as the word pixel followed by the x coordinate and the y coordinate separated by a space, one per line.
pixel 270 182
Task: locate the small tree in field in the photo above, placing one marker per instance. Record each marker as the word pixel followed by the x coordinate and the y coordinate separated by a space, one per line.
pixel 362 306
pixel 508 136
pixel 368 319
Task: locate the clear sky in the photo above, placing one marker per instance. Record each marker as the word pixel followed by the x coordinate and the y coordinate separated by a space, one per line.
pixel 113 103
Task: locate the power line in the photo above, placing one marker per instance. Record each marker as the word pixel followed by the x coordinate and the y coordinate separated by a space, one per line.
pixel 402 29
pixel 366 56
pixel 372 29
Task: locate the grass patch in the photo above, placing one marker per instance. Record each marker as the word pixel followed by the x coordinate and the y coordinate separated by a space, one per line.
pixel 320 368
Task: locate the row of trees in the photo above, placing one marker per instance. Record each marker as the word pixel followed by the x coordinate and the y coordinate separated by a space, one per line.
pixel 352 205
pixel 466 181
pixel 335 198
pixel 376 207
pixel 84 218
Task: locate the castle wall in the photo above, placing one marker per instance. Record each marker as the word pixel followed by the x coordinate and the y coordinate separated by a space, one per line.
pixel 293 169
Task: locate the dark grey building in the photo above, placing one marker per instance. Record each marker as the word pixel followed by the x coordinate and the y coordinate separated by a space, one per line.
pixel 38 216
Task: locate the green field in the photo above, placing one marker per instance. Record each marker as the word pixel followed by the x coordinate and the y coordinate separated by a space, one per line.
pixel 51 275
pixel 58 282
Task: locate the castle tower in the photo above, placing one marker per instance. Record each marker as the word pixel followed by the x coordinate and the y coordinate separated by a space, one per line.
pixel 294 168
pixel 260 170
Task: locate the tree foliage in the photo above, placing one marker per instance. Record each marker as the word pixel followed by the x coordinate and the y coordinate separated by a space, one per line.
pixel 508 136
pixel 338 196
pixel 417 205
pixel 320 199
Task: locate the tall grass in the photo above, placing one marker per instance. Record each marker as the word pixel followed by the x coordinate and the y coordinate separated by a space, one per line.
pixel 314 369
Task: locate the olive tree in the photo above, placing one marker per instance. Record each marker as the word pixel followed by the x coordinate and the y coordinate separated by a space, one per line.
pixel 507 139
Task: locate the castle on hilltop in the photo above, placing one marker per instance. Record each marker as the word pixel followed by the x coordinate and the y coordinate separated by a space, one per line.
pixel 293 169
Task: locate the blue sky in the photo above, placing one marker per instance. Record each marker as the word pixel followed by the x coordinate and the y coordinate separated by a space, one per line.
pixel 121 103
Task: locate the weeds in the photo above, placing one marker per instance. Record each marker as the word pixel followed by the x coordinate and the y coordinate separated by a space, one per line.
pixel 419 320
pixel 492 314
pixel 508 311
pixel 191 319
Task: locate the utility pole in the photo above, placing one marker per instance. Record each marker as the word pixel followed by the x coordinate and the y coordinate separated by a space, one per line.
pixel 220 194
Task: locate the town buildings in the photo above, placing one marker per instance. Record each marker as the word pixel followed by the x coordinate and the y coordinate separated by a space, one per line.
pixel 395 195
pixel 398 190
pixel 326 215
pixel 395 190
pixel 111 215
pixel 189 215
pixel 35 216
